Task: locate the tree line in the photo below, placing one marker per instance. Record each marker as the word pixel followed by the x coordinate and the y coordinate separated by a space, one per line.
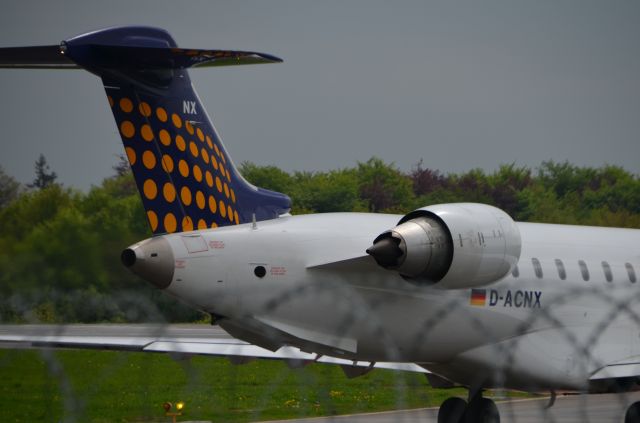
pixel 60 247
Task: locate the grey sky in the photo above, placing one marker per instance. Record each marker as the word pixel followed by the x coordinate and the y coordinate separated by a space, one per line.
pixel 460 84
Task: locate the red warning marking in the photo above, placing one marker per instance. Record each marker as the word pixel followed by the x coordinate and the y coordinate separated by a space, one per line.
pixel 216 245
pixel 278 271
pixel 180 264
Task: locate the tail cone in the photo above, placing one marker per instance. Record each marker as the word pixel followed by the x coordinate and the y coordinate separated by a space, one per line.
pixel 152 260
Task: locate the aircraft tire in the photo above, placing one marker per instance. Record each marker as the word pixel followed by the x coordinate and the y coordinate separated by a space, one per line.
pixel 452 410
pixel 633 413
pixel 482 410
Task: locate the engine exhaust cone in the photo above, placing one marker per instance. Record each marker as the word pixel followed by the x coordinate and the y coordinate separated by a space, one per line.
pixel 386 252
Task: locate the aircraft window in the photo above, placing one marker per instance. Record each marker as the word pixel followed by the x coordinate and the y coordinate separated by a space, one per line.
pixel 515 272
pixel 631 272
pixel 537 267
pixel 607 271
pixel 584 270
pixel 260 271
pixel 562 273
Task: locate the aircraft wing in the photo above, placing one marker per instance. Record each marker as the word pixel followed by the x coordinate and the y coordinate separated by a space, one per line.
pixel 624 369
pixel 176 340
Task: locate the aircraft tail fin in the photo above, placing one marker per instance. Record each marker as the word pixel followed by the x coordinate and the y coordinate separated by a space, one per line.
pixel 182 170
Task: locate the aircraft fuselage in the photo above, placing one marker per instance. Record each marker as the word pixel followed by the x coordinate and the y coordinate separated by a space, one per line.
pixel 526 330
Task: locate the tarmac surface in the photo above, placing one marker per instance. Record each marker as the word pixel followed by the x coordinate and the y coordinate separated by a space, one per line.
pixel 596 408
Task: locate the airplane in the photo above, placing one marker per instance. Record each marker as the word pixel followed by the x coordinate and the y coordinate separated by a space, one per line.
pixel 458 291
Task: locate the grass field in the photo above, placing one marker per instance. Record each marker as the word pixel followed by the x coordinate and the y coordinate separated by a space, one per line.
pixel 104 386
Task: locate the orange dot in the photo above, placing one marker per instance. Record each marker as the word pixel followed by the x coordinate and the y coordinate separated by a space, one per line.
pixel 230 213
pixel 183 167
pixel 131 155
pixel 200 200
pixel 204 155
pixel 188 126
pixel 146 132
pixel 218 184
pixel 222 171
pixel 170 222
pixel 222 157
pixel 153 220
pixel 200 134
pixel 223 209
pixel 209 178
pixel 233 195
pixel 180 143
pixel 169 192
pixel 185 196
pixel 215 147
pixel 214 162
pixel 127 129
pixel 167 163
pixel 197 173
pixel 209 143
pixel 126 105
pixel 148 159
pixel 202 224
pixel 187 224
pixel 214 225
pixel 177 122
pixel 212 204
pixel 162 115
pixel 145 109
pixel 226 190
pixel 150 189
pixel 235 214
pixel 194 149
pixel 110 100
pixel 228 175
pixel 165 138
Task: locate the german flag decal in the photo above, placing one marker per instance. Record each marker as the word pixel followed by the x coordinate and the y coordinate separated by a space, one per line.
pixel 478 297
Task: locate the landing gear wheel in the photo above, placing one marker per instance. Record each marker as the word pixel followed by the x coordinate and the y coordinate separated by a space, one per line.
pixel 482 410
pixel 632 415
pixel 452 410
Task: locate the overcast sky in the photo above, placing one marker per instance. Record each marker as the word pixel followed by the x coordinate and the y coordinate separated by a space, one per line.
pixel 459 84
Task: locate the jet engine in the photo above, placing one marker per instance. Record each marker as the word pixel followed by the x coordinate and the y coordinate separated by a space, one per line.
pixel 450 246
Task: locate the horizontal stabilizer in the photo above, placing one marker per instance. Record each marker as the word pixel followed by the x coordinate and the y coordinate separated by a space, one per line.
pixel 37 57
pixel 131 57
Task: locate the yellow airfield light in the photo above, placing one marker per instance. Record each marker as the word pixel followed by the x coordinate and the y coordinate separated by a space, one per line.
pixel 167 406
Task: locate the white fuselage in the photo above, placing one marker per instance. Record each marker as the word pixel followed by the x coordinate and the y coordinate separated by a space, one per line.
pixel 525 331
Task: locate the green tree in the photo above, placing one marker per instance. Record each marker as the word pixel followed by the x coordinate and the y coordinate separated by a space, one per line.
pixel 44 175
pixel 383 187
pixel 9 188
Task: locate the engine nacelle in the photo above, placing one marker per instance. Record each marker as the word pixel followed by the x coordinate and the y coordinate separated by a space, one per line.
pixel 459 245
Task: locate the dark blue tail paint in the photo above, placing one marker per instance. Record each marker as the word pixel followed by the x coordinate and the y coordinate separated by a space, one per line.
pixel 183 172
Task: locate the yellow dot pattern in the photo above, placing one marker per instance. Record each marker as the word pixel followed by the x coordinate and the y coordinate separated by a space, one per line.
pixel 178 163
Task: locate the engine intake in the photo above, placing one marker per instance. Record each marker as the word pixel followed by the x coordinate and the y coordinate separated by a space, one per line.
pixel 453 246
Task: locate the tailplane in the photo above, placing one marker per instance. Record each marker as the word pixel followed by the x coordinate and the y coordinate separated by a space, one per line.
pixel 184 175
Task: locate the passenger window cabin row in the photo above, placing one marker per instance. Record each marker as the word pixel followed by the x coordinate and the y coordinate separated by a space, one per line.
pixel 584 270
